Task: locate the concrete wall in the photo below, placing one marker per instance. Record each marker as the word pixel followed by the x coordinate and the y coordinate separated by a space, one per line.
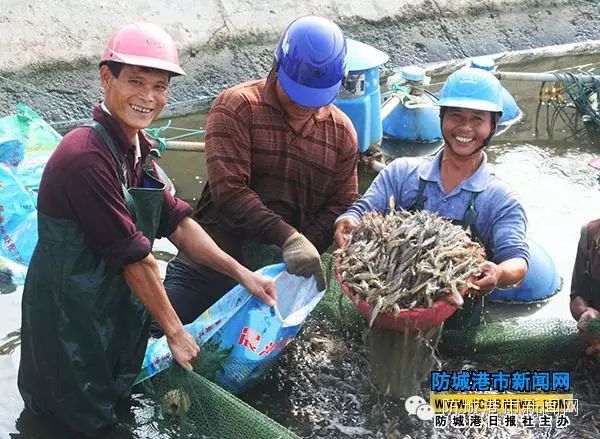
pixel 35 32
pixel 53 46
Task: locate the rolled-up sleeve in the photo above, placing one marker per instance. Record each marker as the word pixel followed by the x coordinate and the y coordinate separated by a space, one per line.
pixel 174 210
pixel 509 230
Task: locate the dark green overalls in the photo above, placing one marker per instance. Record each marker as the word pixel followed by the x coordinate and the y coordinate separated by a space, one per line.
pixel 472 312
pixel 84 333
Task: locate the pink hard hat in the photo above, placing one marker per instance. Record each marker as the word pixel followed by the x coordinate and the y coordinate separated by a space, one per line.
pixel 145 45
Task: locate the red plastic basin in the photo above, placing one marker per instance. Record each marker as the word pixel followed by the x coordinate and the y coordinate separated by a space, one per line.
pixel 415 319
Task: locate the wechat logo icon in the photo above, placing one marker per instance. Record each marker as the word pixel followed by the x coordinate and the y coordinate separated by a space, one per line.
pixel 415 405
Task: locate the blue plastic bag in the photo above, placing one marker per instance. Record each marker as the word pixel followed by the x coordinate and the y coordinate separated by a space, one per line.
pixel 252 333
pixel 31 141
pixel 26 144
pixel 12 152
pixel 18 228
pixel 25 236
pixel 12 272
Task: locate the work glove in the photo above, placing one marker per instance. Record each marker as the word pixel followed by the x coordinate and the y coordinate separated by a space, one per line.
pixel 302 258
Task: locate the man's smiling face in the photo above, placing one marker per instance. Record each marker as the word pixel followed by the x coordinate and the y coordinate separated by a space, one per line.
pixel 136 97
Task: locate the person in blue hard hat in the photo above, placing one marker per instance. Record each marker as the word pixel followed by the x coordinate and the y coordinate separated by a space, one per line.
pixel 281 161
pixel 458 183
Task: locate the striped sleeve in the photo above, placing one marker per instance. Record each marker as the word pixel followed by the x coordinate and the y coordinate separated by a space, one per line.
pixel 344 193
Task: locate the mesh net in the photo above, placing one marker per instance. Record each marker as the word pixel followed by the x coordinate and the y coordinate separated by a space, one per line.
pixel 569 107
pixel 185 404
pixel 335 307
pixel 584 95
pixel 517 342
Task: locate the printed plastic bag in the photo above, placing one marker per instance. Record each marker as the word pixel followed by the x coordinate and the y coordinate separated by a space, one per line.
pixel 16 201
pixel 11 273
pixel 11 152
pixel 25 237
pixel 248 334
pixel 18 228
pixel 26 143
pixel 29 142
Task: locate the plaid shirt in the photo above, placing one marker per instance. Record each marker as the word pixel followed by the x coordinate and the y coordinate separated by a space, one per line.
pixel 265 179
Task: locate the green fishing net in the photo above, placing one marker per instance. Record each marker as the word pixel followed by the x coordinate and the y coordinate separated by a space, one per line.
pixel 335 307
pixel 517 342
pixel 186 404
pixel 183 404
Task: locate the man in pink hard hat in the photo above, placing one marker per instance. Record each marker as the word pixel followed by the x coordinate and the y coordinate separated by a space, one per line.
pixel 93 281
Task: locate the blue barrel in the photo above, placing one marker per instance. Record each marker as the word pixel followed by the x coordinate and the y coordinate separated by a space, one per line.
pixel 541 282
pixel 359 97
pixel 414 125
pixel 510 110
pixel 417 118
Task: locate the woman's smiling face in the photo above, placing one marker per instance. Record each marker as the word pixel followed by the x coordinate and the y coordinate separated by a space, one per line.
pixel 466 130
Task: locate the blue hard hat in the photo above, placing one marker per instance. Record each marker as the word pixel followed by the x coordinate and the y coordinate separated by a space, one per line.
pixel 413 73
pixel 484 63
pixel 311 61
pixel 471 88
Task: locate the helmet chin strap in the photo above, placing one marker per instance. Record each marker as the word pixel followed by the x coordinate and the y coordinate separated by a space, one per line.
pixel 486 142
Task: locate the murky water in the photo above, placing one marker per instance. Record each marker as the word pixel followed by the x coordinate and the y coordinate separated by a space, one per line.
pixel 560 192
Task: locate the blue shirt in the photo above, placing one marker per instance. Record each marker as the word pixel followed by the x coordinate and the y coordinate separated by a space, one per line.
pixel 501 219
